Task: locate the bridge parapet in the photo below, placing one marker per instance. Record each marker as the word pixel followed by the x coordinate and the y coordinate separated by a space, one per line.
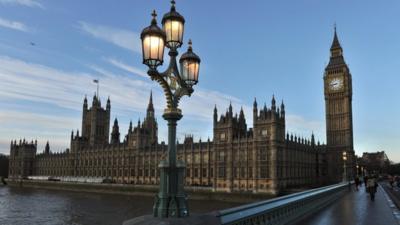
pixel 282 210
pixel 277 211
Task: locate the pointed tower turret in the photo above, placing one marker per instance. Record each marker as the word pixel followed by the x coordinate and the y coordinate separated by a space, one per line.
pixel 130 127
pixel 215 115
pixel 150 122
pixel 47 148
pixel 336 52
pixel 282 110
pixel 335 43
pixel 242 123
pixel 230 110
pixel 150 107
pixel 255 110
pixel 85 104
pixel 312 139
pixel 241 115
pixel 94 101
pixel 108 107
pixel 115 133
pixel 273 103
pixel 242 119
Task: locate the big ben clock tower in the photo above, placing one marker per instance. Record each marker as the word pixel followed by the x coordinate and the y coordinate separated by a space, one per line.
pixel 339 119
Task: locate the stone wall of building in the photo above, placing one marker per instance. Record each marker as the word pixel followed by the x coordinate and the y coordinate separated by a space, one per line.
pixel 22 158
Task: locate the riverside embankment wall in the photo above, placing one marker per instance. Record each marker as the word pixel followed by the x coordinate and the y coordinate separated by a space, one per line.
pixel 199 193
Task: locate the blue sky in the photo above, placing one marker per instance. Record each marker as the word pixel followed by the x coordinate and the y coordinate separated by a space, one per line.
pixel 248 49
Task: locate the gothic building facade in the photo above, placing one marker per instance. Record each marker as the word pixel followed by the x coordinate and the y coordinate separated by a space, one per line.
pixel 264 158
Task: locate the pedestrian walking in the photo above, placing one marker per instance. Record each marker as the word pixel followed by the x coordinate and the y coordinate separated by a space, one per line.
pixel 357 182
pixel 371 187
pixel 365 182
pixel 391 181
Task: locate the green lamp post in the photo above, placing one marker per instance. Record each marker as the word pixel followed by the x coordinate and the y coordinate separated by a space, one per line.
pixel 171 200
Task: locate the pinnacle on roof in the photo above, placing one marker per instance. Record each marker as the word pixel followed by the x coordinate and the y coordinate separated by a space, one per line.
pixel 335 42
pixel 150 107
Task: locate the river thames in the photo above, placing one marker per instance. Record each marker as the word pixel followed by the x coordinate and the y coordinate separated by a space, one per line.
pixel 23 206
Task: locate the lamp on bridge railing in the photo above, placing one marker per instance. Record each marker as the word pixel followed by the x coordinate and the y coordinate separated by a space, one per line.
pixel 344 156
pixel 171 201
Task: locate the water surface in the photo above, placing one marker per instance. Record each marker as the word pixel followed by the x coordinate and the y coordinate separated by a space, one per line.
pixel 23 206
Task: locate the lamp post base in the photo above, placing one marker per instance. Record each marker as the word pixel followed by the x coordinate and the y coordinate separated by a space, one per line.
pixel 171 201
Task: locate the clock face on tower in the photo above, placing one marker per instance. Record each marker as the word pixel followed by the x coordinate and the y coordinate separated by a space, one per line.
pixel 335 84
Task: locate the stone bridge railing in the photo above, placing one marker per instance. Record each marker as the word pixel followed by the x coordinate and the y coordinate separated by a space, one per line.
pixel 282 210
pixel 278 211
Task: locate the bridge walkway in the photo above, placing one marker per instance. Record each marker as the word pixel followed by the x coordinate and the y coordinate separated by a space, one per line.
pixel 356 208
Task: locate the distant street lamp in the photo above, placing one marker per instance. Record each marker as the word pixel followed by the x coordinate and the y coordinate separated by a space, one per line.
pixel 357 170
pixel 344 156
pixel 171 201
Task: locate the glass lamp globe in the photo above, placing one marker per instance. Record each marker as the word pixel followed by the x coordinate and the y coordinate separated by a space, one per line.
pixel 190 65
pixel 173 26
pixel 153 42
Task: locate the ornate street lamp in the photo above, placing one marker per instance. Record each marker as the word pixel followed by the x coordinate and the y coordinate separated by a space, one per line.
pixel 344 156
pixel 171 201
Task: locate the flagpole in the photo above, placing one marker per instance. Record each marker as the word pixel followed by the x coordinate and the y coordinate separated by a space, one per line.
pixel 97 82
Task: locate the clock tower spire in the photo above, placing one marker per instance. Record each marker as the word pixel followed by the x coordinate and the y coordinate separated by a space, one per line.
pixel 338 111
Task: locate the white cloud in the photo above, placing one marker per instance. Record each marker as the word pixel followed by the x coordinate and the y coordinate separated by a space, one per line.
pixel 15 25
pixel 21 119
pixel 27 3
pixel 119 37
pixel 127 68
pixel 21 80
pixel 20 125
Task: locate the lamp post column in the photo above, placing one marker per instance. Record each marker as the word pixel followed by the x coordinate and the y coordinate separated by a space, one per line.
pixel 344 157
pixel 172 116
pixel 171 200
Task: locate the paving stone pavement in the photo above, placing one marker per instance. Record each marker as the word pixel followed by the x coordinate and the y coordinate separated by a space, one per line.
pixel 356 208
pixel 393 197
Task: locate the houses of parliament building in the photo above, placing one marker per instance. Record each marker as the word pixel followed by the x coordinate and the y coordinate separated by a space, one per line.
pixel 264 158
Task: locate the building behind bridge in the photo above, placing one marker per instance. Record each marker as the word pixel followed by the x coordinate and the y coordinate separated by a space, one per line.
pixel 264 158
pixel 374 162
